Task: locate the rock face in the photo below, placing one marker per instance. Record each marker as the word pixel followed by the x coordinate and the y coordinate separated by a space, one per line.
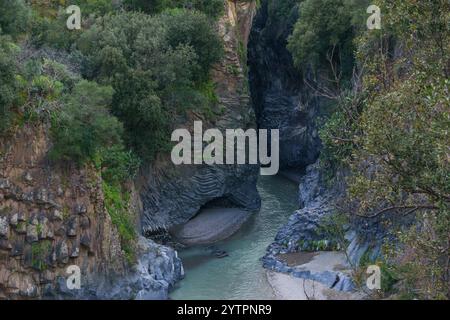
pixel 303 233
pixel 55 219
pixel 157 270
pixel 50 219
pixel 280 98
pixel 172 195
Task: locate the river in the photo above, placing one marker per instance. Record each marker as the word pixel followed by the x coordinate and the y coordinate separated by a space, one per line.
pixel 240 275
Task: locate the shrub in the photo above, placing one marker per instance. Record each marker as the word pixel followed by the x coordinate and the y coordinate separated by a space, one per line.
pixel 212 8
pixel 155 65
pixel 9 86
pixel 117 205
pixel 14 18
pixel 84 126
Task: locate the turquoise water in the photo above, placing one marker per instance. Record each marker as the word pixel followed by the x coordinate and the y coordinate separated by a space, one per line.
pixel 240 275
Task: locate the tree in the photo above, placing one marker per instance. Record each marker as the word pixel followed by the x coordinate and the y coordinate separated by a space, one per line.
pixel 84 126
pixel 324 34
pixel 14 18
pixel 155 64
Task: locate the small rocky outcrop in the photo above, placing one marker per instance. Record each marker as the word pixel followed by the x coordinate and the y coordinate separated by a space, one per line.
pixel 303 233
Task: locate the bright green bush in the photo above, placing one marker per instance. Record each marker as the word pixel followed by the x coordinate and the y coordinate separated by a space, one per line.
pixel 325 31
pixel 117 204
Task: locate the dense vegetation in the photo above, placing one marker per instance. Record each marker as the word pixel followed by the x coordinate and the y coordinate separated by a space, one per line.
pixel 111 91
pixel 390 125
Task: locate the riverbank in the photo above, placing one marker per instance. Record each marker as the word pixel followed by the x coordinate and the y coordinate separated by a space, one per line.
pixel 287 287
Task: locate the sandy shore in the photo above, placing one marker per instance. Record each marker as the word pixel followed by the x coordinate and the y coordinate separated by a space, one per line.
pixel 287 287
pixel 211 225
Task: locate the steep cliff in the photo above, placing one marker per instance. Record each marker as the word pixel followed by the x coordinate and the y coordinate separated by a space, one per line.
pixel 280 97
pixel 171 195
pixel 53 216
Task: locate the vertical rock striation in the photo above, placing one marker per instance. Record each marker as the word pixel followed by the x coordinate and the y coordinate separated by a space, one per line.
pixel 280 98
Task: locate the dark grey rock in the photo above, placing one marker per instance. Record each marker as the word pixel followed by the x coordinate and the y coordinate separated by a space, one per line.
pixel 62 252
pixel 280 98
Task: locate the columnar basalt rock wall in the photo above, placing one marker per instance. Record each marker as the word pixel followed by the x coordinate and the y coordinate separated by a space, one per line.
pixel 50 217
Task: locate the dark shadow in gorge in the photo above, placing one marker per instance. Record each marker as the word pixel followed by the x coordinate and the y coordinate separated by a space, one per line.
pixel 280 98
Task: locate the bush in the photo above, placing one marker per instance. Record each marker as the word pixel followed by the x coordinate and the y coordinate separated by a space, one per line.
pixel 155 64
pixel 9 86
pixel 193 29
pixel 84 126
pixel 118 165
pixel 117 205
pixel 53 32
pixel 325 31
pixel 212 8
pixel 14 18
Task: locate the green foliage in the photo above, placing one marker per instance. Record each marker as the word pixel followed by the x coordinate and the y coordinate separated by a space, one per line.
pixel 324 33
pixel 212 8
pixel 117 204
pixel 14 18
pixel 51 9
pixel 335 227
pixel 339 132
pixel 154 64
pixel 193 29
pixel 394 137
pixel 40 252
pixel 52 31
pixel 118 165
pixel 84 126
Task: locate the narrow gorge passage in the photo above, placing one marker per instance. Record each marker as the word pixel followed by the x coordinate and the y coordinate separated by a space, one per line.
pixel 240 275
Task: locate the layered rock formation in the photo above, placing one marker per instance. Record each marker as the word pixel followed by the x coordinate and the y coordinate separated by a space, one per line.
pixel 304 233
pixel 172 195
pixel 54 217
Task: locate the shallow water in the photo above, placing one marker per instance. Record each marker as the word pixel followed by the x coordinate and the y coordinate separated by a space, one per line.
pixel 240 275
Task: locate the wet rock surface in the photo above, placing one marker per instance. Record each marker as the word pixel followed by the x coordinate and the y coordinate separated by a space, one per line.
pixel 304 232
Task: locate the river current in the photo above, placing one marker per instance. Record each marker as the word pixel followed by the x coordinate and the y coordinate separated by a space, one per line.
pixel 240 275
